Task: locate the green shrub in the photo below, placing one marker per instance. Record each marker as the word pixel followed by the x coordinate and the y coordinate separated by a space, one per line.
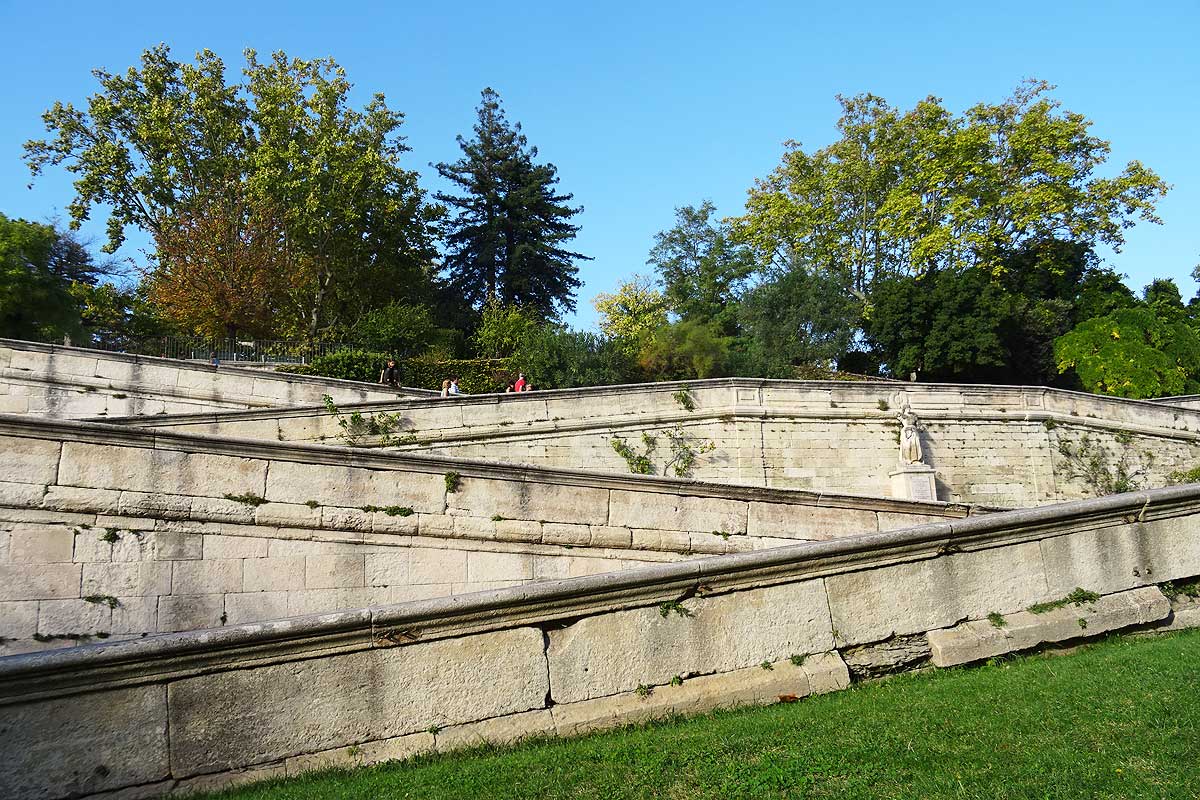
pixel 476 376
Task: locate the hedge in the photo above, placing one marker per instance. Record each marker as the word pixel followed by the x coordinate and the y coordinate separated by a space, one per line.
pixel 476 376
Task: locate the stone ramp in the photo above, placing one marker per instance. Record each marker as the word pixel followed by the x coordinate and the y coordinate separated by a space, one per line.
pixel 73 382
pixel 210 708
pixel 117 532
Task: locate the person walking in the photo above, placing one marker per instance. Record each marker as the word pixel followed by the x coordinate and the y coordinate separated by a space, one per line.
pixel 454 386
pixel 446 388
pixel 519 386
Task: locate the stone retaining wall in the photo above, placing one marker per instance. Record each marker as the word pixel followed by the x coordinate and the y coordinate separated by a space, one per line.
pixel 73 382
pixel 121 532
pixel 204 709
pixel 995 445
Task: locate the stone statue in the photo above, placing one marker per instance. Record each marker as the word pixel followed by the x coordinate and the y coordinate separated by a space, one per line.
pixel 910 440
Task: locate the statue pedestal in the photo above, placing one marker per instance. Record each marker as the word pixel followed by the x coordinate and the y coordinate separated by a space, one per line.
pixel 914 482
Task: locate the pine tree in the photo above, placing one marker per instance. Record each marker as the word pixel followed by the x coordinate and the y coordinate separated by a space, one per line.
pixel 506 241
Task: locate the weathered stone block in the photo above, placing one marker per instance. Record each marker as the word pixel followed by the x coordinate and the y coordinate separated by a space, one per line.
pixel 566 534
pixel 281 711
pixel 135 615
pixel 320 601
pixel 71 746
pixel 334 572
pixel 529 500
pixel 398 748
pixel 217 546
pixel 29 460
pixel 353 487
pixel 807 522
pixel 176 546
pixel 616 652
pixel 18 620
pixel 159 471
pixel 279 573
pixel 220 509
pixel 39 581
pixel 189 612
pixel 669 512
pixel 874 604
pixel 207 576
pixel 41 544
pixel 387 569
pixel 980 639
pixel 72 498
pixel 485 566
pixel 610 536
pixel 21 494
pixel 57 617
pixel 132 579
pixel 288 514
pixel 255 606
pixel 437 566
pixel 498 731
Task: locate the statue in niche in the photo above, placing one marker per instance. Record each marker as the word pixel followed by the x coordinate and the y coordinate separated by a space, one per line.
pixel 910 439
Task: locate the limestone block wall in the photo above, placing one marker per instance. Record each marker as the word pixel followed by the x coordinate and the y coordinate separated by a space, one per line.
pixel 180 712
pixel 991 445
pixel 72 382
pixel 115 532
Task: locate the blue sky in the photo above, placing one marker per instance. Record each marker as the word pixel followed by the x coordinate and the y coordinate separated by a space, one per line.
pixel 648 106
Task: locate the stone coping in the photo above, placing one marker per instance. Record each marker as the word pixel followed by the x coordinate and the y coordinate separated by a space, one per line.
pixel 171 656
pixel 307 453
pixel 1007 397
pixel 195 366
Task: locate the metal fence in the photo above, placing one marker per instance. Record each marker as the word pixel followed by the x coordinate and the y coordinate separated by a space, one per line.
pixel 274 351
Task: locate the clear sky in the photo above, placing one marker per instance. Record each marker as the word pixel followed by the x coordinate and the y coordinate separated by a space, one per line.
pixel 648 106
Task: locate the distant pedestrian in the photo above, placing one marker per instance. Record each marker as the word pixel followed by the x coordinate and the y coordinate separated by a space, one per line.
pixel 509 389
pixel 519 386
pixel 454 386
pixel 446 388
pixel 214 359
pixel 390 374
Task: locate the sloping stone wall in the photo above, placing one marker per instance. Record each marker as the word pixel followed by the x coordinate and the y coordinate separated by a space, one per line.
pixel 73 382
pixel 199 710
pixel 121 533
pixel 991 445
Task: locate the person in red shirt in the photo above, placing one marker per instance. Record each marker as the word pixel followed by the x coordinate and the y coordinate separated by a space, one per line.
pixel 519 386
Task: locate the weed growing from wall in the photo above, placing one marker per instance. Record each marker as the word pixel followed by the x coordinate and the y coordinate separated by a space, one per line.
pixel 684 449
pixel 453 479
pixel 685 399
pixel 356 427
pixel 1103 471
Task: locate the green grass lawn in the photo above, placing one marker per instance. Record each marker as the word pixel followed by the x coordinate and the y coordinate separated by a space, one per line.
pixel 1119 719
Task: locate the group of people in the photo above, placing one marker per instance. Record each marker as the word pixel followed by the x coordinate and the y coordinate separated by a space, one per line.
pixel 391 377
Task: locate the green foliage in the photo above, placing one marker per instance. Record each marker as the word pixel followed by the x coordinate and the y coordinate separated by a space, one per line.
pixel 312 504
pixel 1077 597
pixel 475 375
pixel 402 329
pixel 1132 352
pixel 643 690
pixel 503 330
pixel 677 680
pixel 685 449
pixel 506 241
pixel 102 599
pixel 686 350
pixel 356 426
pixel 1173 589
pixel 453 480
pixel 553 357
pixel 633 312
pixel 902 193
pixel 797 318
pixel 798 659
pixel 354 223
pixel 249 498
pixel 639 463
pixel 110 536
pixel 685 400
pixel 391 511
pixel 997 619
pixel 1185 476
pixel 674 606
pixel 1105 473
pixel 767 665
pixel 702 270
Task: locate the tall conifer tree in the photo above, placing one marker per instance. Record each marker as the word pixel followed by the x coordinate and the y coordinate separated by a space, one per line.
pixel 506 241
